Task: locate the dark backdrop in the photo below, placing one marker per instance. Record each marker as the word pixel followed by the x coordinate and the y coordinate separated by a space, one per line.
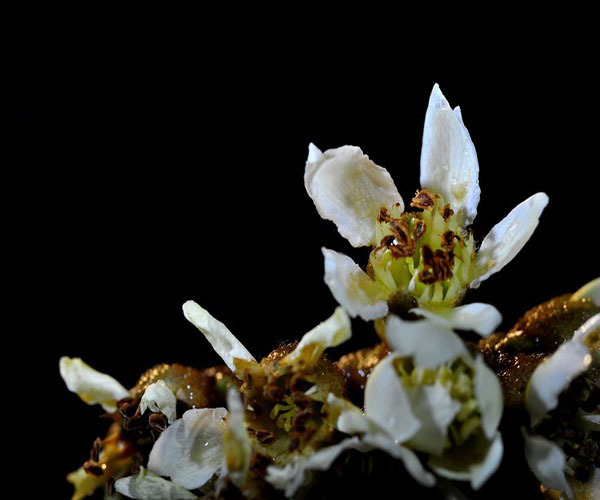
pixel 146 177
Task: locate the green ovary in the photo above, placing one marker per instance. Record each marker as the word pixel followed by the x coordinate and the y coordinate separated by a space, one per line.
pixel 425 254
pixel 457 378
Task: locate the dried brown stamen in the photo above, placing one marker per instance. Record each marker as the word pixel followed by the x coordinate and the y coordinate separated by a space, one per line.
pixel 301 400
pixel 384 215
pixel 423 200
pixel 448 241
pixel 95 452
pixel 157 422
pixel 447 212
pixel 437 265
pixel 273 393
pixel 419 229
pixel 264 436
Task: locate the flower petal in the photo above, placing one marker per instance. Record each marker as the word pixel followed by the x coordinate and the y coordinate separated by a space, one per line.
pixel 488 393
pixel 159 398
pixel 354 290
pixel 435 409
pixel 146 485
pixel 349 189
pixel 223 341
pixel 589 291
pixel 293 475
pixel 236 445
pixel 448 159
pixel 411 462
pixel 91 385
pixel 330 333
pixel 190 451
pixel 508 237
pixel 427 342
pixel 479 317
pixel 387 403
pixel 553 375
pixel 476 473
pixel 350 419
pixel 547 461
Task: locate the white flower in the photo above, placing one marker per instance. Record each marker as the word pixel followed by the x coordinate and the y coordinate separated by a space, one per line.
pixel 190 451
pixel 91 385
pixel 548 381
pixel 237 449
pixel 159 398
pixel 146 484
pixel 429 255
pixel 430 395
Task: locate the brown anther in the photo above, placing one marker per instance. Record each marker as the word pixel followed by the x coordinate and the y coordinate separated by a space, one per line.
pixel 447 212
pixel 427 276
pixel 384 215
pixel 437 265
pixel 423 200
pixel 448 241
pixel 299 383
pixel 273 393
pixel 419 229
pixel 95 452
pixel 158 422
pixel 127 408
pixel 93 468
pixel 301 419
pixel 400 230
pixel 301 400
pixel 427 256
pixel 264 436
pixel 591 448
pixel 133 423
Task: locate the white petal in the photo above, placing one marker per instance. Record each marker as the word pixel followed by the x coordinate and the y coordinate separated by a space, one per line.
pixel 488 393
pixel 508 237
pixel 428 343
pixel 589 291
pixel 409 459
pixel 330 333
pixel 350 419
pixel 479 317
pixel 236 445
pixel 293 475
pixel 448 159
pixel 91 385
pixel 349 189
pixel 387 403
pixel 477 473
pixel 219 336
pixel 589 490
pixel 547 462
pixel 354 290
pixel 190 451
pixel 435 409
pixel 147 485
pixel 555 373
pixel 159 398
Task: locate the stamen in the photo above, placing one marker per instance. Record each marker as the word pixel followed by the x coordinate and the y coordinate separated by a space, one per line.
pixel 447 212
pixel 423 200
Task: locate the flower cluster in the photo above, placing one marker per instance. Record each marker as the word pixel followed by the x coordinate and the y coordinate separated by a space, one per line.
pixel 427 398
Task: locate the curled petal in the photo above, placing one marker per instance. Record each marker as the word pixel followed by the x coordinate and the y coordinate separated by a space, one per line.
pixel 350 420
pixel 190 451
pixel 387 403
pixel 223 341
pixel 409 459
pixel 435 409
pixel 236 445
pixel 91 385
pixel 479 317
pixel 589 291
pixel 488 393
pixel 146 485
pixel 354 290
pixel 555 373
pixel 448 159
pixel 330 333
pixel 508 237
pixel 547 461
pixel 159 398
pixel 293 475
pixel 349 189
pixel 430 344
pixel 476 473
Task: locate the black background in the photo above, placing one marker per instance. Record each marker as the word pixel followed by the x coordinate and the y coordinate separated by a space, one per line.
pixel 151 173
